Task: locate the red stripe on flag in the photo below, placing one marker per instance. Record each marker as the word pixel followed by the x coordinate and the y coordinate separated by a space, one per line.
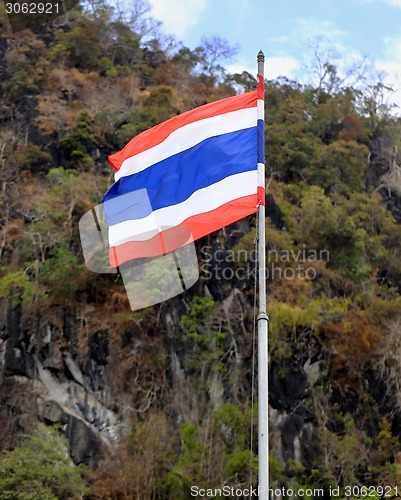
pixel 261 196
pixel 191 229
pixel 156 135
pixel 261 88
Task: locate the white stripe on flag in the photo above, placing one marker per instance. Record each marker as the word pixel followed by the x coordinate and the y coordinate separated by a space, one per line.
pixel 261 109
pixel 261 175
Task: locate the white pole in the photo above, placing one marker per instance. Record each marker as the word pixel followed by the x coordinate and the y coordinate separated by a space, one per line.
pixel 263 379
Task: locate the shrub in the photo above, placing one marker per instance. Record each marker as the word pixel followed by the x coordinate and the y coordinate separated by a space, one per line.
pixel 40 468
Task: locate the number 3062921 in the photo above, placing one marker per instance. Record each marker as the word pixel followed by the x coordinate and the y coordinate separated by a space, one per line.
pixel 32 8
pixel 371 491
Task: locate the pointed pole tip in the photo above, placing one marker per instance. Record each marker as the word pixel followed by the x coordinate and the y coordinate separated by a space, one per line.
pixel 261 56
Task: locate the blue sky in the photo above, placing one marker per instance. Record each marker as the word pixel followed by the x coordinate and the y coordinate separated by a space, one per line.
pixel 283 29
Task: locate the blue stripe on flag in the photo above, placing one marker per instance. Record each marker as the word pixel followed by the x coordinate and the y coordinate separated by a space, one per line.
pixel 261 141
pixel 122 207
pixel 176 178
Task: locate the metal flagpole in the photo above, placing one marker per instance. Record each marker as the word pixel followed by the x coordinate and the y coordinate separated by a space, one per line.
pixel 263 380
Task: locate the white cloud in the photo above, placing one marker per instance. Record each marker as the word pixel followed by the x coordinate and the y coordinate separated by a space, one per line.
pixel 392 3
pixel 178 15
pixel 393 48
pixel 281 66
pixel 239 68
pixel 309 29
pixel 274 67
pixel 391 62
pixel 301 42
pixel 390 66
pixel 310 35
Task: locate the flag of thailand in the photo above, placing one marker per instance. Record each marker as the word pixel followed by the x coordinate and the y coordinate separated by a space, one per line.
pixel 186 178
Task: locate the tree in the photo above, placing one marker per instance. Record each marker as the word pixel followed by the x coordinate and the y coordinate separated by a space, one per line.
pixel 82 45
pixel 79 142
pixel 214 51
pixel 158 107
pixel 339 167
pixel 329 78
pixel 40 468
pixel 243 82
pixel 290 144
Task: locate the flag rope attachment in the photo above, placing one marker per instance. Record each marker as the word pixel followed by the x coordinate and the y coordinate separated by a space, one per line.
pixel 255 241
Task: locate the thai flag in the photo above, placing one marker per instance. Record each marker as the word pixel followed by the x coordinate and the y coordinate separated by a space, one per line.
pixel 186 178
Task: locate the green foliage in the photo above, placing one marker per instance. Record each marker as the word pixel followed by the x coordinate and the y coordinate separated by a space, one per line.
pixel 161 97
pixel 189 469
pixel 224 447
pixel 199 309
pixel 320 222
pixel 18 287
pixel 355 231
pixel 347 455
pixel 275 469
pixel 288 319
pixel 158 107
pixel 339 167
pixel 388 444
pixel 351 450
pixel 244 81
pixel 290 146
pixel 32 157
pixel 139 121
pixel 153 454
pixel 62 274
pixel 40 468
pixel 151 282
pixel 232 419
pixel 67 192
pixel 238 465
pixel 79 142
pixel 328 116
pixel 57 202
pixel 126 50
pixel 62 180
pixel 80 46
pixel 206 347
pixel 19 84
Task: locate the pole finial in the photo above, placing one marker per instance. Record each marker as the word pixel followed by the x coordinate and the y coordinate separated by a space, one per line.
pixel 261 64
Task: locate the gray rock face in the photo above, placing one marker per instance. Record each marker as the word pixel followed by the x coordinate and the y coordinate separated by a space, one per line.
pixel 85 445
pixel 67 390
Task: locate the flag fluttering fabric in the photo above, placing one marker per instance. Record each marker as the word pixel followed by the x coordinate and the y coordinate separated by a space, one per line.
pixel 185 178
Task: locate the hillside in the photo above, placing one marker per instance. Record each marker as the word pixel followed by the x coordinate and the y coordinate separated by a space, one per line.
pixel 148 403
